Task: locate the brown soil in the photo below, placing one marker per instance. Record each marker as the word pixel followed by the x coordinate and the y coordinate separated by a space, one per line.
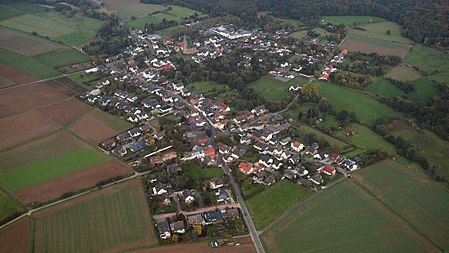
pixel 25 44
pixel 16 75
pixel 66 111
pixel 200 247
pixel 15 238
pixel 92 129
pixel 19 99
pixel 72 182
pixel 24 127
pixel 40 150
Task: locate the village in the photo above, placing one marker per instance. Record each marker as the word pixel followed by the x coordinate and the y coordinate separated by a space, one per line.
pixel 176 129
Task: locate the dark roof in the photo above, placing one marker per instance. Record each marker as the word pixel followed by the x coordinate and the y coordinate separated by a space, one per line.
pixel 214 216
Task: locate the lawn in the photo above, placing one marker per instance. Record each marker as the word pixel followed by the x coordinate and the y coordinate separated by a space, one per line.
pixel 403 73
pixel 414 197
pixel 384 88
pixel 350 20
pixel 332 141
pixel 366 108
pixel 112 121
pixel 110 220
pixel 424 90
pixel 44 65
pixel 206 86
pixel 293 22
pixel 379 31
pixel 197 171
pixel 168 33
pixel 430 60
pixel 338 220
pixel 8 205
pixel 43 171
pixel 272 89
pixel 267 205
pixel 429 145
pixel 364 138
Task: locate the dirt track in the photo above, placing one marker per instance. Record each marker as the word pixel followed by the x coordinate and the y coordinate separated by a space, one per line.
pixel 73 182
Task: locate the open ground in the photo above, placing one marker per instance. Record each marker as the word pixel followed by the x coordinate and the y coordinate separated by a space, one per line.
pixel 201 247
pixel 25 44
pixel 133 8
pixel 15 238
pixel 272 89
pixel 112 219
pixel 13 76
pixel 371 45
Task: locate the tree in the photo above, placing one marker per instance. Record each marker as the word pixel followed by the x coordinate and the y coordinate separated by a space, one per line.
pixel 311 91
pixel 388 32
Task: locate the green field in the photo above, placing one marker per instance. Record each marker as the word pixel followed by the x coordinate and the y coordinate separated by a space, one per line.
pixel 43 65
pixel 332 141
pixel 403 73
pixel 365 138
pixel 339 219
pixel 430 60
pixel 71 31
pixel 197 171
pixel 17 9
pixel 206 86
pixel 366 108
pixel 112 121
pixel 267 205
pixel 384 88
pixel 293 22
pixel 132 8
pixel 350 20
pixel 8 205
pixel 272 89
pixel 379 31
pixel 39 172
pixel 429 145
pixel 168 33
pixel 424 90
pixel 109 220
pixel 414 197
pixel 368 45
pixel 176 13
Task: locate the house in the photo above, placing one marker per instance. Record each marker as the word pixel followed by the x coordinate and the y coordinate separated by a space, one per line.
pixel 155 160
pixel 164 230
pixel 259 110
pixel 285 141
pixel 138 146
pixel 317 178
pixel 161 188
pixel 216 182
pixel 276 164
pixel 289 174
pixel 230 213
pixel 178 227
pixel 328 170
pixel 174 169
pixel 267 181
pixel 196 219
pixel 246 168
pixel 188 196
pixel 168 154
pixel 266 160
pixel 301 171
pixel 305 183
pixel 164 199
pixel 222 195
pixel 108 145
pixel 160 135
pixel 297 146
pixel 213 217
pixel 350 165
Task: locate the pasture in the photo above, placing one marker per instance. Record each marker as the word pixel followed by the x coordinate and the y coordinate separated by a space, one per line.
pixel 384 88
pixel 403 73
pixel 371 45
pixel 272 89
pixel 340 219
pixel 364 138
pixel 172 13
pixel 366 108
pixel 36 173
pixel 267 205
pixel 424 90
pixel 114 122
pixel 410 194
pixel 379 31
pixel 431 61
pixel 350 20
pixel 112 219
pixel 8 206
pixel 427 144
pixel 25 44
pixel 332 141
pixel 15 238
pixel 133 8
pixel 206 86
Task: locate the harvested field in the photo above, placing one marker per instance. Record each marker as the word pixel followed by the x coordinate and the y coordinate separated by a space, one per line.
pixel 201 247
pixel 73 182
pixel 92 129
pixel 25 44
pixel 38 151
pixel 403 73
pixel 15 238
pixel 18 99
pixel 66 111
pixel 109 220
pixel 6 82
pixel 24 127
pixel 369 45
pixel 112 121
pixel 15 75
pixel 127 9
